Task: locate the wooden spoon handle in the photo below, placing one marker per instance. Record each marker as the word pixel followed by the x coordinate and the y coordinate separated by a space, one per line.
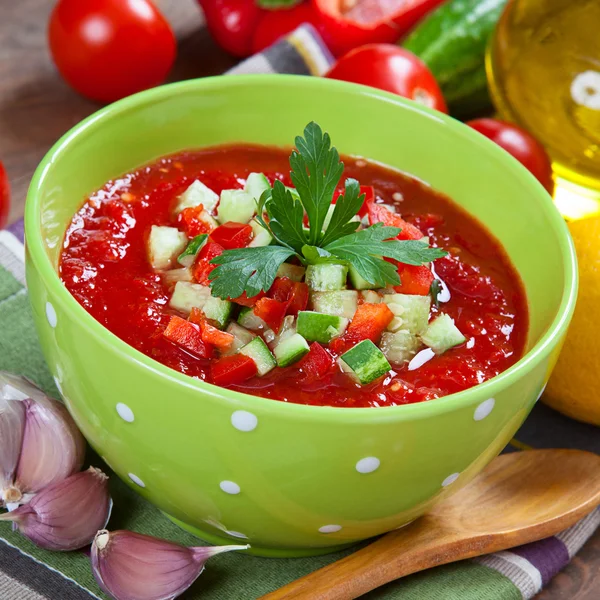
pixel 397 554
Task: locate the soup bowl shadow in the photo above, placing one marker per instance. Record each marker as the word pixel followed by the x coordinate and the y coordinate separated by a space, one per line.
pixel 290 479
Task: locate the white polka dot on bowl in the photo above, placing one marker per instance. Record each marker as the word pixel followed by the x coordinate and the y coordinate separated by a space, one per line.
pixel 450 479
pixel 484 409
pixel 51 315
pixel 330 528
pixel 244 420
pixel 125 412
pixel 368 464
pixel 136 480
pixel 230 487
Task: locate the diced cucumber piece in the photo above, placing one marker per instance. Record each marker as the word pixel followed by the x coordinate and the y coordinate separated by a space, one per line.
pixel 172 276
pixel 366 361
pixel 256 184
pixel 258 351
pixel 188 256
pixel 261 237
pixel 249 320
pixel 218 310
pixel 189 295
pixel 293 272
pixel 415 310
pixel 241 337
pixel 342 303
pixel 196 194
pixel 442 334
pixel 237 206
pixel 290 350
pixel 165 244
pixel 399 347
pixel 357 281
pixel 319 327
pixel 326 277
pixel 371 297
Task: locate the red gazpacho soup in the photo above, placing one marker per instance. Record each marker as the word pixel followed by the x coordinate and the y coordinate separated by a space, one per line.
pixel 296 277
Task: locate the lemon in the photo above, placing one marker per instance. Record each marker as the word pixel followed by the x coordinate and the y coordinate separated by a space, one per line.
pixel 574 387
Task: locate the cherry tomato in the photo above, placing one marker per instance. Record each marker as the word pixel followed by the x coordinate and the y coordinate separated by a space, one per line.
pixel 108 49
pixel 232 23
pixel 4 196
pixel 392 69
pixel 520 144
pixel 277 23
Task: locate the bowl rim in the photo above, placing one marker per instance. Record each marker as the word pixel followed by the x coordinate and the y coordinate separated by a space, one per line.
pixel 451 402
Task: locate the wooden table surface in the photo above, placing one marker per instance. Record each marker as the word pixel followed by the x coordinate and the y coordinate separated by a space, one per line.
pixel 37 107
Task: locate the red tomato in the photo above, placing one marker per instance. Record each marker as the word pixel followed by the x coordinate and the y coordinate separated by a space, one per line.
pixel 232 235
pixel 392 69
pixel 108 49
pixel 230 370
pixel 272 312
pixel 520 144
pixel 277 23
pixel 345 26
pixel 414 279
pixel 317 363
pixel 4 196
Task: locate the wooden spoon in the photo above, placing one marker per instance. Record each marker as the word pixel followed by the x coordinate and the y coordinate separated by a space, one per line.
pixel 519 498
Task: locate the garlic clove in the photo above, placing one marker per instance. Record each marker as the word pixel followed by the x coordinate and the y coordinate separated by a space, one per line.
pixel 132 566
pixel 12 426
pixel 52 446
pixel 67 514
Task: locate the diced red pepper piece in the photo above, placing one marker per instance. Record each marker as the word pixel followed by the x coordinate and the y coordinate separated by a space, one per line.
pixel 192 223
pixel 230 370
pixel 272 312
pixel 414 280
pixel 369 192
pixel 188 336
pixel 369 322
pixel 220 339
pixel 380 214
pixel 243 300
pixel 203 267
pixel 196 316
pixel 317 363
pixel 232 235
pixel 293 293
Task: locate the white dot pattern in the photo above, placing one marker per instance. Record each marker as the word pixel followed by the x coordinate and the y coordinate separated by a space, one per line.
pixel 330 528
pixel 368 464
pixel 125 412
pixel 450 479
pixel 484 409
pixel 51 315
pixel 230 487
pixel 136 480
pixel 244 420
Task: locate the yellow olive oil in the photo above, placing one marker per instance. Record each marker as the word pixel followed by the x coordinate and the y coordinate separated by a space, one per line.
pixel 543 66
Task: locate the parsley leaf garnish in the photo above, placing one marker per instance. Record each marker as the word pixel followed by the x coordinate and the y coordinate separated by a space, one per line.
pixel 364 251
pixel 249 270
pixel 316 173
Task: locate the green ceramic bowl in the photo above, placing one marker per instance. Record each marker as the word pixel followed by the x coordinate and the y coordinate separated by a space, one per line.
pixel 291 479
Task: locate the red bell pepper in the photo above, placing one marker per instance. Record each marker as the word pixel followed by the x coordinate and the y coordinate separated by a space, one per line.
pixel 243 300
pixel 230 370
pixel 203 267
pixel 232 235
pixel 217 338
pixel 380 214
pixel 293 293
pixel 190 219
pixel 188 336
pixel 367 21
pixel 272 312
pixel 317 363
pixel 369 322
pixel 414 280
pixel 242 27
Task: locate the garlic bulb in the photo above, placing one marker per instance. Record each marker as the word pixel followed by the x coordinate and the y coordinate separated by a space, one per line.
pixel 65 515
pixel 12 426
pixel 51 446
pixel 132 566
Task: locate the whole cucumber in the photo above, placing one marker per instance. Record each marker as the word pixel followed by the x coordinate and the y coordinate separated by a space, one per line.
pixel 452 41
